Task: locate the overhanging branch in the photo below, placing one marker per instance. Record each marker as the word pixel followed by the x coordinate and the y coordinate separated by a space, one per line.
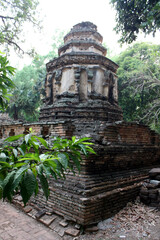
pixel 10 42
pixel 6 17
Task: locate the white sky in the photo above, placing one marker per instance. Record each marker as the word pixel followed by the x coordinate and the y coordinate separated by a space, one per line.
pixel 63 15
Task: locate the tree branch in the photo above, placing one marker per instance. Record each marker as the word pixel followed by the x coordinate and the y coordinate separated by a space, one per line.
pixel 10 42
pixel 6 17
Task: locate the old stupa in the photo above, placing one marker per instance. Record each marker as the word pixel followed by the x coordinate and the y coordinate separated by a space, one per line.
pixel 82 101
pixel 81 83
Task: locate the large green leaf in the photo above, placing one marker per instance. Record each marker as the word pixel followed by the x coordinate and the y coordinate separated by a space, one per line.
pixel 77 153
pixel 47 171
pixel 5 164
pixel 42 141
pixel 27 137
pixel 23 147
pixel 18 176
pixel 73 139
pixel 3 156
pixel 63 159
pixel 8 177
pixel 50 163
pixel 82 140
pixel 89 149
pixel 76 161
pixel 40 169
pixel 7 183
pixel 19 164
pixel 50 168
pixel 83 148
pixel 43 157
pixel 21 150
pixel 24 193
pixel 14 138
pixel 44 184
pixel 30 163
pixel 30 157
pixel 59 169
pixel 28 185
pixel 35 146
pixel 15 152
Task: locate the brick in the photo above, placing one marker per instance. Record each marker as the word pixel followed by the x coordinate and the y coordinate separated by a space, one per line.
pixel 63 223
pixel 154 171
pixel 91 229
pixel 47 221
pixel 39 214
pixel 27 209
pixel 72 232
pixel 18 197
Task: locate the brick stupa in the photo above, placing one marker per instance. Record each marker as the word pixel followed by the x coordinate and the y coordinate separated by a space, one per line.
pixel 81 83
pixel 82 101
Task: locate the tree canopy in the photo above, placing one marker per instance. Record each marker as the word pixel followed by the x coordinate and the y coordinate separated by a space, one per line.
pixel 14 13
pixel 29 83
pixel 6 83
pixel 134 16
pixel 25 97
pixel 139 83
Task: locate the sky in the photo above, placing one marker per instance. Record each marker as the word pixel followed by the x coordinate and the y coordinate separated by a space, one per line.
pixel 63 15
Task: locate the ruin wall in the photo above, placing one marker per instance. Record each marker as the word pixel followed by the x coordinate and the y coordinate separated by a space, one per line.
pixel 108 180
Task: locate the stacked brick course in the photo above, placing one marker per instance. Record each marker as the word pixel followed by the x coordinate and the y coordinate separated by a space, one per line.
pixel 150 191
pixel 107 180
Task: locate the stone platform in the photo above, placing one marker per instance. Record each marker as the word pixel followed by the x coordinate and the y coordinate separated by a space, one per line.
pixel 108 180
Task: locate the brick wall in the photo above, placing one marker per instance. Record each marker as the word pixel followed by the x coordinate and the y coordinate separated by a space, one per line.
pixel 108 180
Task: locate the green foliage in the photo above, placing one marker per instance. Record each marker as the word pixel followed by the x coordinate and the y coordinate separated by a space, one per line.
pixel 5 82
pixel 136 15
pixel 29 91
pixel 25 99
pixel 23 165
pixel 139 82
pixel 14 13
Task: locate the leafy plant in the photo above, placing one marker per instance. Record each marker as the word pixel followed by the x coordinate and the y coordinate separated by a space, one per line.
pixel 25 99
pixel 30 160
pixel 30 81
pixel 134 16
pixel 14 13
pixel 139 83
pixel 6 83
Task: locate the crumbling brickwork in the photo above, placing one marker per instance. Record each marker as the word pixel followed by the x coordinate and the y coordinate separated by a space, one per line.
pixel 108 180
pixel 150 191
pixel 81 81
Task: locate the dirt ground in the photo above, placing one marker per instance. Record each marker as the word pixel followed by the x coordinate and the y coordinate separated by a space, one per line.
pixel 134 222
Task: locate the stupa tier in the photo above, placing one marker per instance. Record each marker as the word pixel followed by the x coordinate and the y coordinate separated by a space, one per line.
pixel 81 83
